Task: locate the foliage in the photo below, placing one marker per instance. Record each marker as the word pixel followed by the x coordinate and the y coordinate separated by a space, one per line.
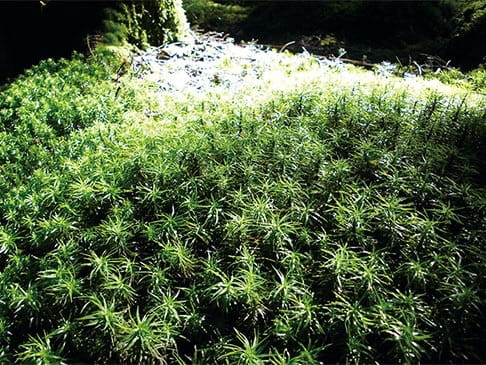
pixel 467 41
pixel 147 22
pixel 212 15
pixel 474 80
pixel 435 68
pixel 332 223
pixel 473 13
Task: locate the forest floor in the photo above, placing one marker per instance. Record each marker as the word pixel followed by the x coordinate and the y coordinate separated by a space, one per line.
pixel 217 203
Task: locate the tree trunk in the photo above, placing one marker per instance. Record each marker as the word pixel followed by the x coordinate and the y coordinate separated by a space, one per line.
pixel 153 21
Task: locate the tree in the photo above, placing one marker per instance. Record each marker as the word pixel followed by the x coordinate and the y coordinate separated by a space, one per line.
pixel 152 21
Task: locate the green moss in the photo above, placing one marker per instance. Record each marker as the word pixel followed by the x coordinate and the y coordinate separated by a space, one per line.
pixel 474 80
pixel 215 16
pixel 49 102
pixel 339 222
pixel 147 22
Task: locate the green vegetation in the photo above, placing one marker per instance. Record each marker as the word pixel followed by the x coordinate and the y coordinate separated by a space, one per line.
pixel 342 219
pixel 474 80
pixel 469 33
pixel 44 106
pixel 146 22
pixel 208 14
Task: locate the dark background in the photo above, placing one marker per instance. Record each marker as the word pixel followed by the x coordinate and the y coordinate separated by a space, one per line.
pixel 30 32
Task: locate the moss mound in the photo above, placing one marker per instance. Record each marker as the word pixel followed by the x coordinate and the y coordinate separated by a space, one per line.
pixel 329 222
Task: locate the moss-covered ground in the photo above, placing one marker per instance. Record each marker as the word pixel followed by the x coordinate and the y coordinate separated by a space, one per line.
pixel 321 213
